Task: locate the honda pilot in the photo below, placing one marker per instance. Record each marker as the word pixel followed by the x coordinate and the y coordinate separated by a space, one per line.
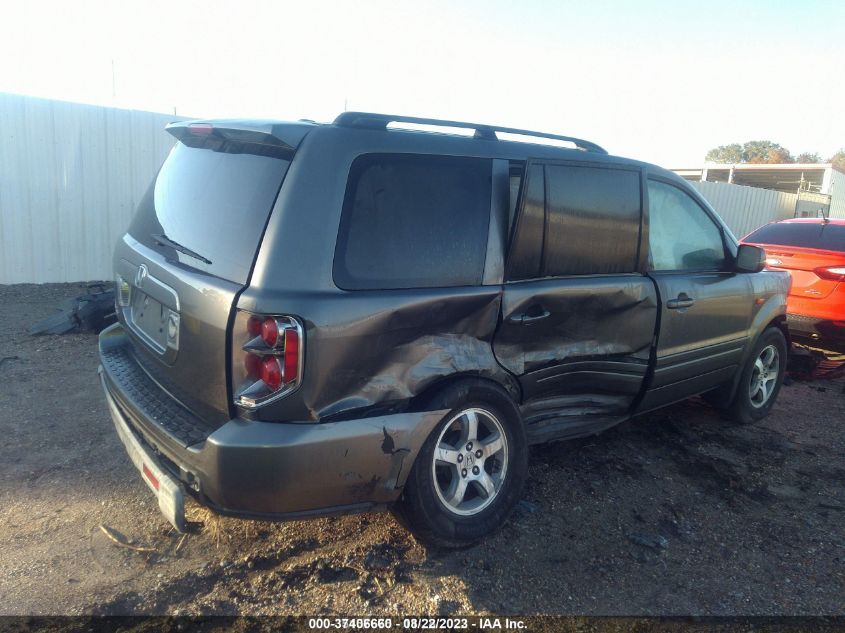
pixel 371 314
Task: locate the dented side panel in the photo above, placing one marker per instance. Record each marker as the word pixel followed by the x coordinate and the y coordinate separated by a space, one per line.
pixel 594 342
pixel 271 468
pixel 373 351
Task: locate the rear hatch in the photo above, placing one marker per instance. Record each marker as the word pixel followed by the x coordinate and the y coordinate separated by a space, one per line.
pixel 807 250
pixel 190 250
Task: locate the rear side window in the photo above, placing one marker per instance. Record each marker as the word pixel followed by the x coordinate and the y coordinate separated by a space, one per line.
pixel 829 237
pixel 412 221
pixel 593 223
pixel 215 203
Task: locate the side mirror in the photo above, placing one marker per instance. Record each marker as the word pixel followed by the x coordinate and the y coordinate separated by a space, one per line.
pixel 750 259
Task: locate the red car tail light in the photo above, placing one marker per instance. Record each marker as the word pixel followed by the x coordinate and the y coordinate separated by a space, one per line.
pixel 271 372
pixel 253 326
pixel 291 367
pixel 267 357
pixel 270 331
pixel 836 273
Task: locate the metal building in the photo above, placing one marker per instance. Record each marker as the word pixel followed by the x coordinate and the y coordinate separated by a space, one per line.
pixel 819 187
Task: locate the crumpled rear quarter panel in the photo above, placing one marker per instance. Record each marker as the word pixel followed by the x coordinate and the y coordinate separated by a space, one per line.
pixel 372 351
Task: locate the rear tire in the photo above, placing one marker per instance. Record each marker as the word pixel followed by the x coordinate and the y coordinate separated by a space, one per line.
pixel 761 379
pixel 469 474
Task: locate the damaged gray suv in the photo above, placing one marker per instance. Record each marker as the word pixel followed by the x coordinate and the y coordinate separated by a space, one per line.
pixel 331 318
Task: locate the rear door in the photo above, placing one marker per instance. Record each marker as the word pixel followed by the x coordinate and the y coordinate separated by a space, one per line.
pixel 705 308
pixel 189 251
pixel 578 316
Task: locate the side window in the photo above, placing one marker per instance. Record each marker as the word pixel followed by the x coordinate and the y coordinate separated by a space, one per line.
pixel 681 234
pixel 526 246
pixel 593 224
pixel 413 221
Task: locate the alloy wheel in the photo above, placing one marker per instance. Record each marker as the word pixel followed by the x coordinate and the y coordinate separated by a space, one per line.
pixel 764 376
pixel 470 461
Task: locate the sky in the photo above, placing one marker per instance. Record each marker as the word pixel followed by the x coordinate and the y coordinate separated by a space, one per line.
pixel 661 81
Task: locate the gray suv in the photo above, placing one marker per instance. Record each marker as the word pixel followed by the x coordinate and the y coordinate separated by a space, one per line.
pixel 331 318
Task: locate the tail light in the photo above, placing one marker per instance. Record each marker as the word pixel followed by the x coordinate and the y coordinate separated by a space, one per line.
pixel 267 358
pixel 832 274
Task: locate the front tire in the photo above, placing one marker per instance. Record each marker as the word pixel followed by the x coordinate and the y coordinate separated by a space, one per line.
pixel 761 379
pixel 469 474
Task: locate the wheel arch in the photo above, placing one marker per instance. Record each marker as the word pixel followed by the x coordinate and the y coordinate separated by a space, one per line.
pixel 779 322
pixel 505 383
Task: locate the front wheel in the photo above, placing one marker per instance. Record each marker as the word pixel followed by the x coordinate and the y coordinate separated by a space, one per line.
pixel 470 472
pixel 761 378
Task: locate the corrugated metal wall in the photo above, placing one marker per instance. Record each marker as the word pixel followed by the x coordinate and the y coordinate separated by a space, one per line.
pixel 70 178
pixel 837 194
pixel 746 208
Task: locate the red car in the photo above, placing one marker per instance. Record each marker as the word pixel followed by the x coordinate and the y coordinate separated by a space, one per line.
pixel 812 250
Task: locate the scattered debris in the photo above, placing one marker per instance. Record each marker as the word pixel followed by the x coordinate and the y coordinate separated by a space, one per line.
pixel 87 313
pixel 117 538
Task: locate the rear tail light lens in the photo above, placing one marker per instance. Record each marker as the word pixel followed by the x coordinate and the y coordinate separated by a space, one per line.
pixel 291 367
pixel 252 364
pixel 270 332
pixel 253 326
pixel 836 273
pixel 267 358
pixel 271 372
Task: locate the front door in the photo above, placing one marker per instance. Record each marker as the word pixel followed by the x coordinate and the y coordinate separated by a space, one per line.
pixel 705 308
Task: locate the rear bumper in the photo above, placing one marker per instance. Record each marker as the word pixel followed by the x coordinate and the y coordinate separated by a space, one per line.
pixel 264 469
pixel 825 333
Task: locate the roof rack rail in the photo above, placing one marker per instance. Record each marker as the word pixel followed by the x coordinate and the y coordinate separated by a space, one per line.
pixel 373 121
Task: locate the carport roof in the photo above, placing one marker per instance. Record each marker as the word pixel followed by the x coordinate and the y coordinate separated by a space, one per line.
pixel 780 176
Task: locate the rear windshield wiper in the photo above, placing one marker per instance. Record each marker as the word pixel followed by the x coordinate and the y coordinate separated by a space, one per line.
pixel 163 240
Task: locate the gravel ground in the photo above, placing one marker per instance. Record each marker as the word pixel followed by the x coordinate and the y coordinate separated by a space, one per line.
pixel 675 513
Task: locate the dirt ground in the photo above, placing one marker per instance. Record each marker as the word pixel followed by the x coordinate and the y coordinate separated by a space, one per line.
pixel 676 513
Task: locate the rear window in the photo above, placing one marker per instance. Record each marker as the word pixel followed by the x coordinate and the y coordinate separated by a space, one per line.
pixel 413 221
pixel 829 237
pixel 214 203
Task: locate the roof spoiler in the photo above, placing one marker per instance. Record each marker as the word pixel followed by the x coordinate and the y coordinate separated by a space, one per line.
pixel 373 121
pixel 281 138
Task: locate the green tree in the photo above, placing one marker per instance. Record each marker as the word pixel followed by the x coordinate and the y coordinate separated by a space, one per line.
pixel 725 154
pixel 808 157
pixel 765 152
pixel 838 159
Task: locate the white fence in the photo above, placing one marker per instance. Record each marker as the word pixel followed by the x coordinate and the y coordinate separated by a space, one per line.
pixel 70 178
pixel 746 208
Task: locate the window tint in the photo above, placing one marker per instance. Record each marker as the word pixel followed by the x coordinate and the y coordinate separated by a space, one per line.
pixel 215 203
pixel 527 241
pixel 593 220
pixel 829 237
pixel 681 234
pixel 414 222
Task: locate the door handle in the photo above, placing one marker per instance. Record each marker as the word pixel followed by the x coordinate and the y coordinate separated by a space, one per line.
pixel 683 301
pixel 527 319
